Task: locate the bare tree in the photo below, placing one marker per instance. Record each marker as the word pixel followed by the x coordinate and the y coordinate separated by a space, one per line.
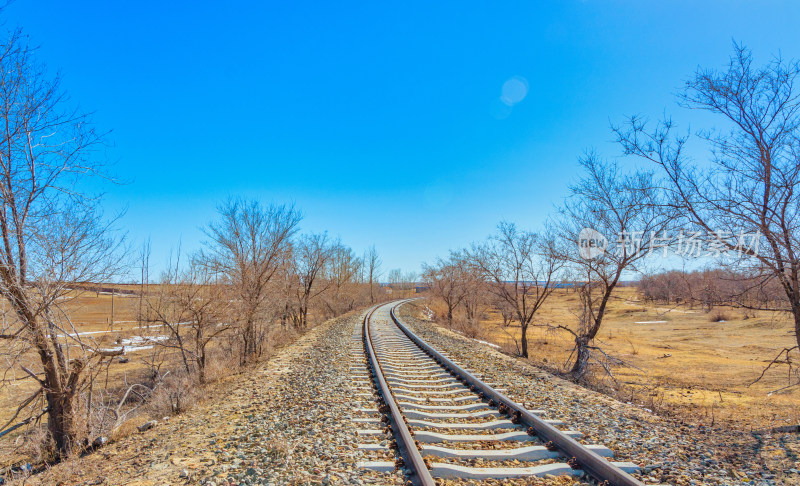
pixel 753 184
pixel 395 276
pixel 713 286
pixel 628 213
pixel 458 284
pixel 520 268
pixel 477 296
pixel 446 281
pixel 372 264
pixel 667 287
pixel 53 236
pixel 247 246
pixel 505 310
pixel 343 274
pixel 192 306
pixel 144 284
pixel 311 255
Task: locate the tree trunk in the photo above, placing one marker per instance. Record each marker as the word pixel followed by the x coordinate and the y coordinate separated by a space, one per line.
pixel 582 358
pixel 201 366
pixel 796 312
pixel 248 342
pixel 61 420
pixel 59 384
pixel 524 340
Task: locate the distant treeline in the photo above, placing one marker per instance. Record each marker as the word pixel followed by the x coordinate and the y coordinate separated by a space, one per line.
pixel 708 288
pixel 107 290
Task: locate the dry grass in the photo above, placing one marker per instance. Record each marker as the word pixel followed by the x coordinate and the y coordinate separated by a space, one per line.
pixel 683 361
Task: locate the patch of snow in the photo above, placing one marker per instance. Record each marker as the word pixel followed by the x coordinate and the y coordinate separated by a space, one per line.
pixel 136 340
pixel 86 333
pixel 650 322
pixel 136 343
pixel 488 344
pixel 145 326
pixel 127 349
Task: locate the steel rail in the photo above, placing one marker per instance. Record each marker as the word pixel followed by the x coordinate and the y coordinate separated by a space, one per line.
pixel 412 459
pixel 587 460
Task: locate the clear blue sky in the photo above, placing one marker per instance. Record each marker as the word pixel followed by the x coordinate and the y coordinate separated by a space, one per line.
pixel 382 122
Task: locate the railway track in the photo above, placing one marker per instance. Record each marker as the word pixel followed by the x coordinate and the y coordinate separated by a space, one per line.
pixel 435 421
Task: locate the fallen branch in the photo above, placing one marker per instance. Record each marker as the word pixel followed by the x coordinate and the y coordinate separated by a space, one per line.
pixel 783 388
pixel 615 360
pixel 23 405
pixel 24 422
pixel 776 360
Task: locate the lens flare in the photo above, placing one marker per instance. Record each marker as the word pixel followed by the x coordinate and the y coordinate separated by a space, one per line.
pixel 514 90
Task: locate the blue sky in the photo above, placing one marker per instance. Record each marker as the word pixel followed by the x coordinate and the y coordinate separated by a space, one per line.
pixel 382 122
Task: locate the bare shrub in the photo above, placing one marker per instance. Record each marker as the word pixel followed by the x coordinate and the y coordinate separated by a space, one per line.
pixel 280 337
pixel 439 310
pixel 221 364
pixel 177 393
pixel 470 328
pixel 33 444
pixel 718 316
pixel 278 448
pixel 129 426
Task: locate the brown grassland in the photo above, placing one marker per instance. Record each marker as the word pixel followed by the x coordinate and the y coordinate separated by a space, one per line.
pixel 681 361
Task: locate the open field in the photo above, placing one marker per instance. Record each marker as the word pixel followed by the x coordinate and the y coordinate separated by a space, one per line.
pixel 681 361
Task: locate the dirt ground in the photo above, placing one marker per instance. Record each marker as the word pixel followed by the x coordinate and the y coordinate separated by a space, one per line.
pixel 681 362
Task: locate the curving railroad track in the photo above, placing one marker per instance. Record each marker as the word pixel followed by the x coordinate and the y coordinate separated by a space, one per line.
pixel 439 421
